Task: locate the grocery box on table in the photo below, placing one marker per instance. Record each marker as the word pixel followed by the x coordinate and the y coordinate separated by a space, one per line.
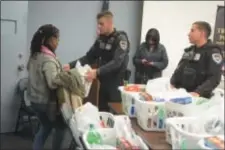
pixel 128 100
pixel 110 139
pixel 105 118
pixel 150 109
pixel 150 115
pixel 106 121
pixel 150 105
pixel 197 107
pixel 185 134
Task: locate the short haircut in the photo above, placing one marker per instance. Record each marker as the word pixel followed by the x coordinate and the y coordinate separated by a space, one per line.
pixel 107 14
pixel 204 26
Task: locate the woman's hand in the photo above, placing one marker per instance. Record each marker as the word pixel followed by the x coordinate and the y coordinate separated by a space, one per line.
pixel 194 94
pixel 66 67
pixel 144 61
pixel 150 63
pixel 91 75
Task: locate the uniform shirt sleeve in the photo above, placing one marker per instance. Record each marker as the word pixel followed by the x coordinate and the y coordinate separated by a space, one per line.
pixel 213 72
pixel 50 71
pixel 164 62
pixel 90 56
pixel 121 51
pixel 137 57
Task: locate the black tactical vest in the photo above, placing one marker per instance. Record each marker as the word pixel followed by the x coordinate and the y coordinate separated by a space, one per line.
pixel 107 46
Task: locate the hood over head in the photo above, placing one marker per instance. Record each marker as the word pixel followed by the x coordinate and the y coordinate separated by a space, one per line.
pixel 152 34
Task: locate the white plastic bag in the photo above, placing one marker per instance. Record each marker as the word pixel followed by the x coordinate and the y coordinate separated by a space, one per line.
pixel 158 85
pixel 82 70
pixel 86 115
pixel 161 88
pixel 176 93
pixel 218 96
pixel 103 147
pixel 122 123
pixel 108 139
pixel 124 130
pixel 212 121
pixel 170 94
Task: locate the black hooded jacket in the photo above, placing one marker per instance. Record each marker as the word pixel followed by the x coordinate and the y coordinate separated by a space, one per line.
pixel 157 55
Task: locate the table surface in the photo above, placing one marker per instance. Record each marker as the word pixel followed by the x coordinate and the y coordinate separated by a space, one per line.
pixel 155 140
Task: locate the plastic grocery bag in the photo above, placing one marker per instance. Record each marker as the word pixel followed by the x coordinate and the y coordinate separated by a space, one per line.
pixel 177 93
pixel 82 70
pixel 158 85
pixel 212 121
pixel 171 94
pixel 86 115
pixel 122 125
pixel 218 95
pixel 103 147
pixel 124 130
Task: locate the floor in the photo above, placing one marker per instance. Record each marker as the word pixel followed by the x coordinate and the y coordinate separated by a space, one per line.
pixel 23 141
pixel 10 141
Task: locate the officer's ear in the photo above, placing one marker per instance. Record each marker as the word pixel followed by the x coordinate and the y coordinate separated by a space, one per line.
pixel 109 20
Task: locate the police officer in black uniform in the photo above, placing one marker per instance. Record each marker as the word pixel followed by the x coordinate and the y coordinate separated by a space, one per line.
pixel 199 70
pixel 111 50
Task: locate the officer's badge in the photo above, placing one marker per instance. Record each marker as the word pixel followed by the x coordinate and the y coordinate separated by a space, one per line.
pixel 217 58
pixel 197 57
pixel 108 46
pixel 102 45
pixel 111 40
pixel 123 45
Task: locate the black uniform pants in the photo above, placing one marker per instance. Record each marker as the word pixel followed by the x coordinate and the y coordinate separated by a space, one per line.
pixel 109 92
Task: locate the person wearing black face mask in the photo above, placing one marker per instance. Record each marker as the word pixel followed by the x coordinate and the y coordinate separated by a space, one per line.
pixel 150 58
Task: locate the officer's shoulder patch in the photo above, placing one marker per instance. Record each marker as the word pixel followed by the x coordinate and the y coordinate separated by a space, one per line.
pixel 123 44
pixel 122 37
pixel 122 33
pixel 123 40
pixel 217 58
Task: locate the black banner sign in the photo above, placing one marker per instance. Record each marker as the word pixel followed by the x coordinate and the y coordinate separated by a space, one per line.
pixel 219 37
pixel 219 33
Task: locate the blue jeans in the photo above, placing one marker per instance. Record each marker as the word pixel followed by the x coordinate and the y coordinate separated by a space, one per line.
pixel 46 128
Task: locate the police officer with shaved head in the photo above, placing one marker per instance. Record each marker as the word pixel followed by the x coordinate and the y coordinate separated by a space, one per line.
pixel 111 49
pixel 199 70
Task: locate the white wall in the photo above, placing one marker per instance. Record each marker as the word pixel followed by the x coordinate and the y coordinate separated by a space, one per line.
pixel 13 42
pixel 173 19
pixel 77 23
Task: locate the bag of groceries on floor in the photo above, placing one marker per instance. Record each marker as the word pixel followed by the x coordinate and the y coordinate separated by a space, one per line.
pixel 82 70
pixel 86 115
